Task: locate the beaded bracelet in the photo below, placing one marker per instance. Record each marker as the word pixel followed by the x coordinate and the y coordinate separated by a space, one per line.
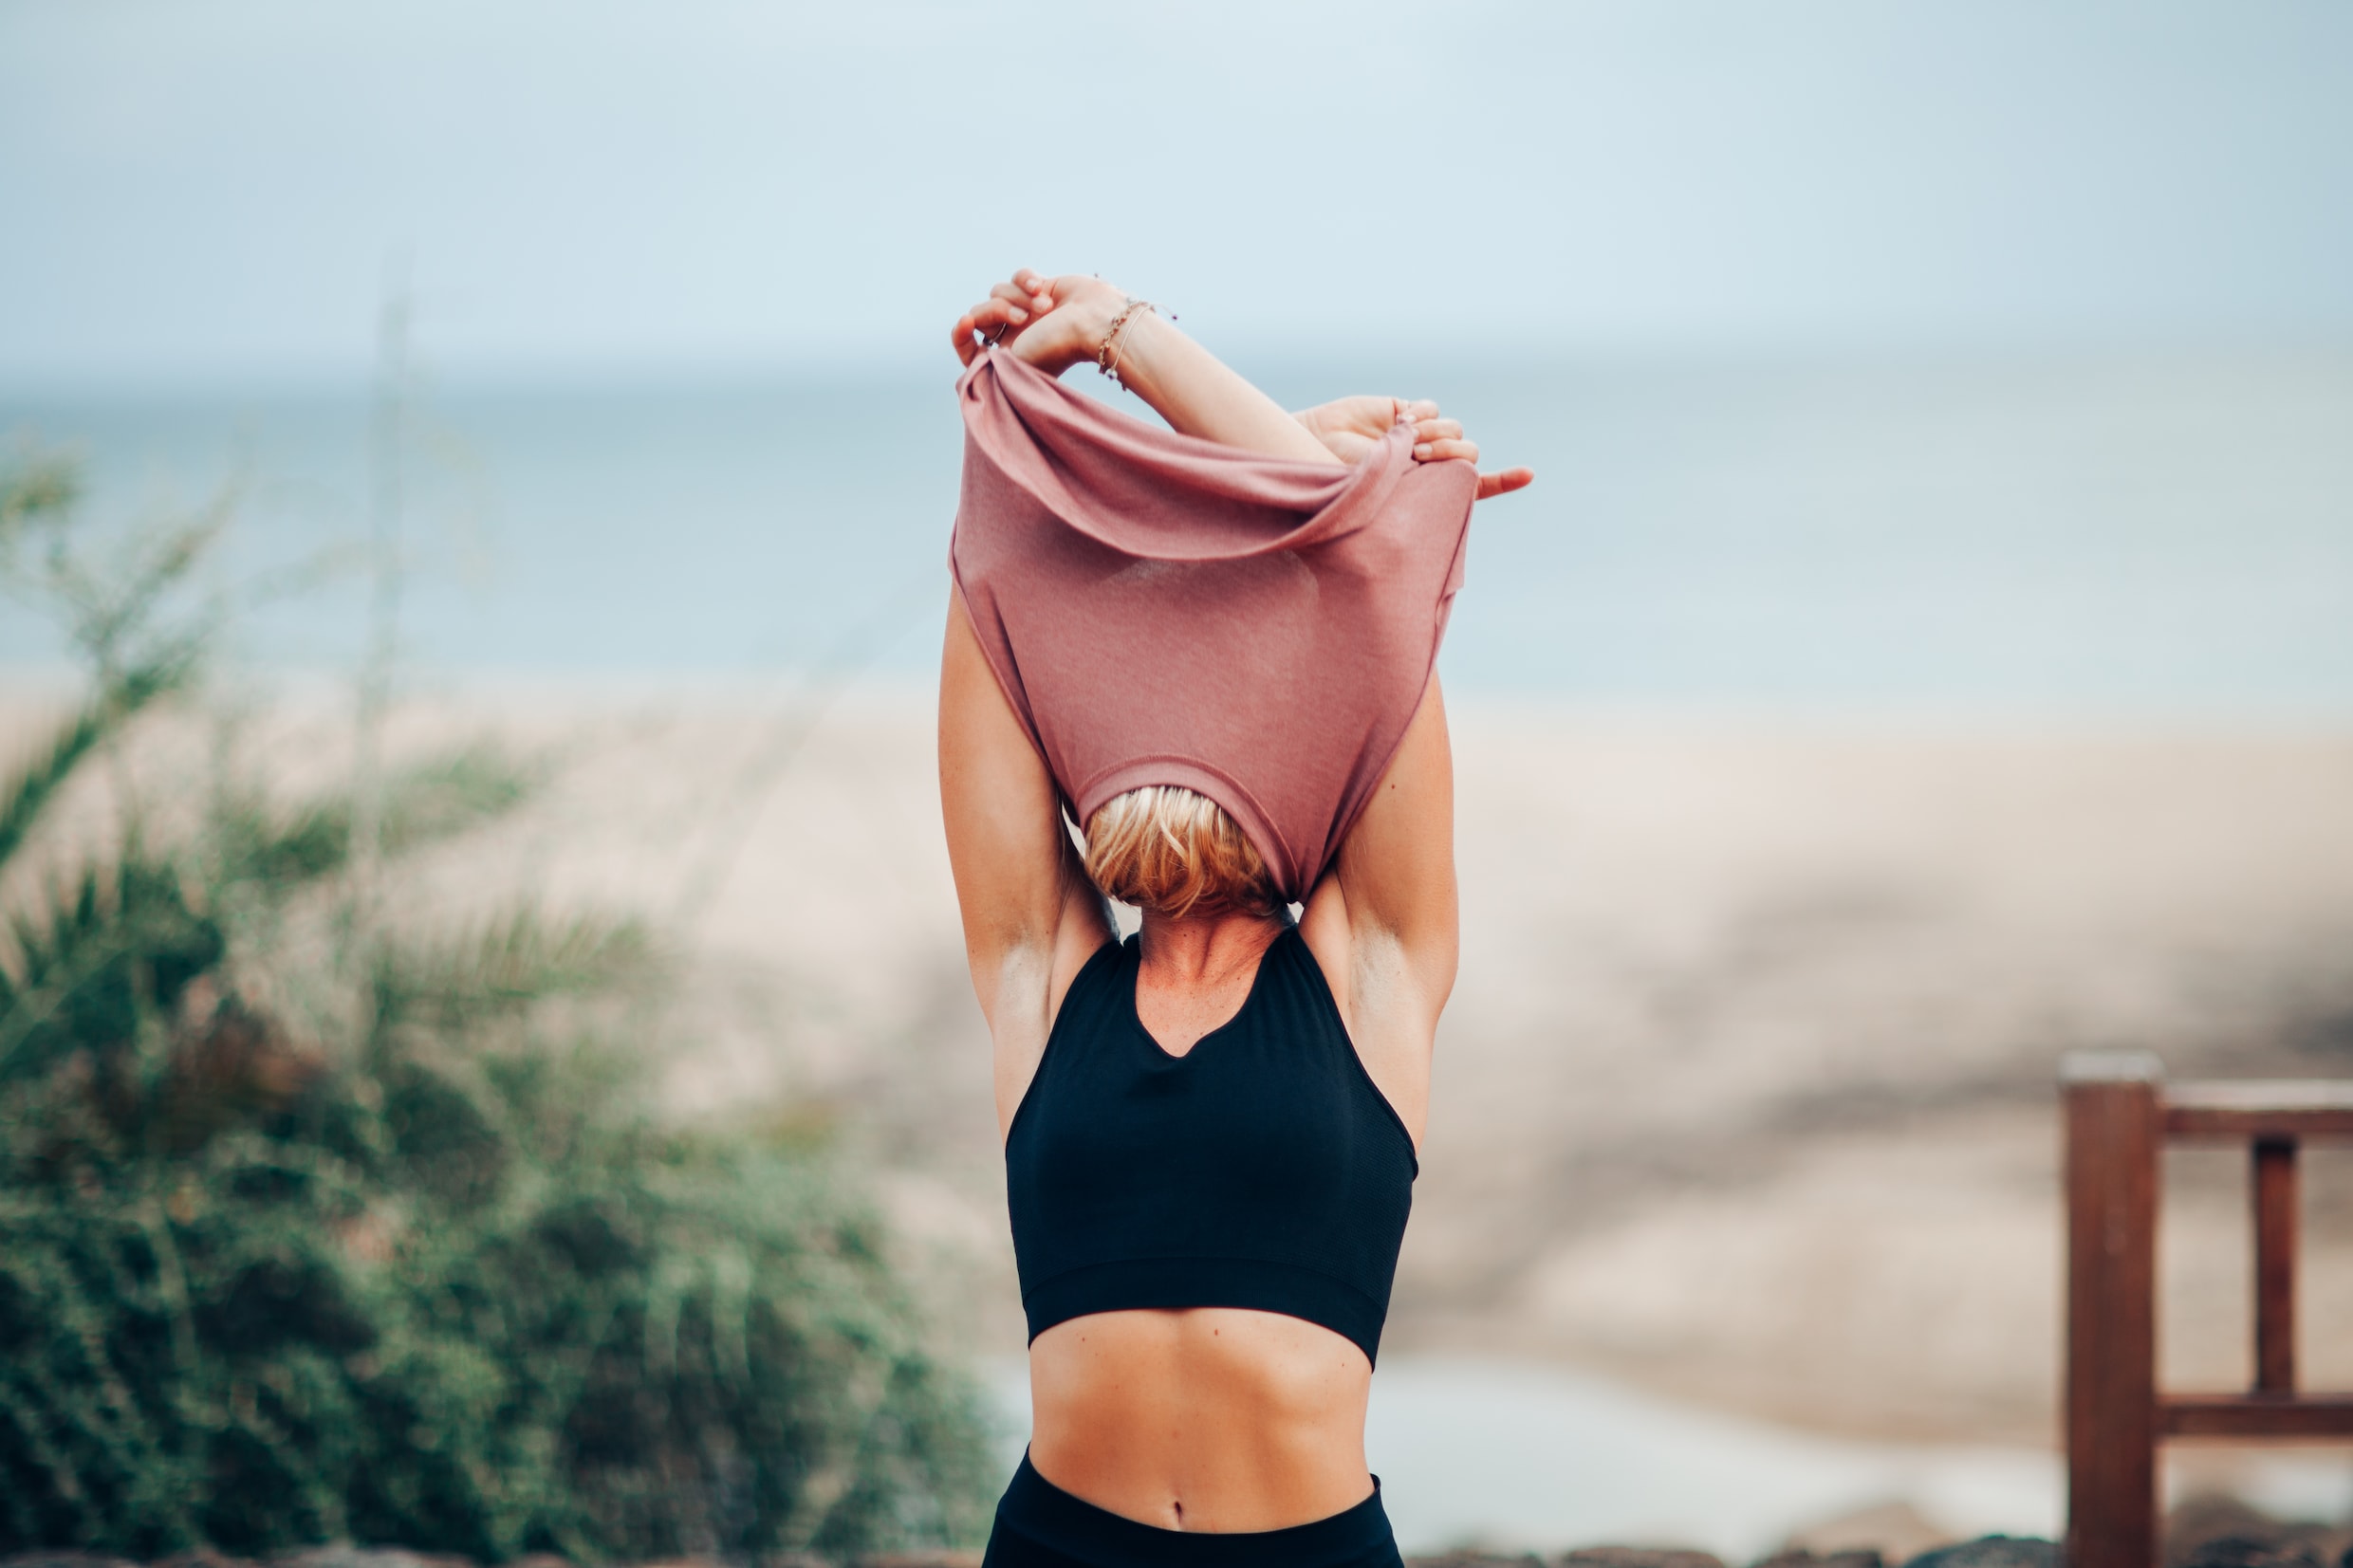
pixel 1107 356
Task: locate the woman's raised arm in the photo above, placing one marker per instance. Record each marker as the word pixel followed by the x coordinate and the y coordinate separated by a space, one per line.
pixel 1057 322
pixel 1031 918
pixel 1384 921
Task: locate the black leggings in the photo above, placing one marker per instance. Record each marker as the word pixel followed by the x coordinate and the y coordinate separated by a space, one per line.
pixel 1040 1525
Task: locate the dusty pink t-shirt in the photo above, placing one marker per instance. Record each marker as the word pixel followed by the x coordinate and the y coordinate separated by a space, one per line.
pixel 1164 610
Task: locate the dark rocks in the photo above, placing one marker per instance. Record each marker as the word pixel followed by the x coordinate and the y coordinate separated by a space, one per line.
pixel 2250 1552
pixel 2220 1532
pixel 1584 1556
pixel 1858 1558
pixel 1992 1552
pixel 344 1555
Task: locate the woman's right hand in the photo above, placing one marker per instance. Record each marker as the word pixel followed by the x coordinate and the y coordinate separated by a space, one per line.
pixel 1350 427
pixel 1052 322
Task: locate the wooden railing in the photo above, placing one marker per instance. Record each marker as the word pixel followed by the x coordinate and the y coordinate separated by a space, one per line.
pixel 2119 1113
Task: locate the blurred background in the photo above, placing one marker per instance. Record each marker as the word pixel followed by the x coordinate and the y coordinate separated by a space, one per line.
pixel 477 507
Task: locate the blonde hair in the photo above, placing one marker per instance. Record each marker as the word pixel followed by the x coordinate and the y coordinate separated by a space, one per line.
pixel 1175 852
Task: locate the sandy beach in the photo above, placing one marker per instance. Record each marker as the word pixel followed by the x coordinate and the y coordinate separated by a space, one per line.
pixel 1746 1093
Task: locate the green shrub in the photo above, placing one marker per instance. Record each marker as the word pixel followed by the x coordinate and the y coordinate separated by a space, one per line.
pixel 422 1271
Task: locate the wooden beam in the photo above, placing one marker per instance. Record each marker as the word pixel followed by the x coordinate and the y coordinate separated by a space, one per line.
pixel 2275 1187
pixel 2289 1109
pixel 2310 1415
pixel 2112 1143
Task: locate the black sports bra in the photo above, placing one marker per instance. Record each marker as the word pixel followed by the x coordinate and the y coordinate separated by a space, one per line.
pixel 1262 1168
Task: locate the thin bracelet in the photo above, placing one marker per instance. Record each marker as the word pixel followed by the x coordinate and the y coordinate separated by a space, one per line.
pixel 1107 356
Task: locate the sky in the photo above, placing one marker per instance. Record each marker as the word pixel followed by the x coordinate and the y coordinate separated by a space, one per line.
pixel 216 191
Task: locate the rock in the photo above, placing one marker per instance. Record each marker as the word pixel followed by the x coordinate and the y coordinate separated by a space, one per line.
pixel 1896 1530
pixel 939 1559
pixel 1636 1557
pixel 1477 1559
pixel 2222 1532
pixel 1862 1557
pixel 342 1554
pixel 1992 1552
pixel 2218 1523
pixel 2250 1552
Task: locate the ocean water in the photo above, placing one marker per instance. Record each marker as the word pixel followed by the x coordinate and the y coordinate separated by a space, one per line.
pixel 2106 536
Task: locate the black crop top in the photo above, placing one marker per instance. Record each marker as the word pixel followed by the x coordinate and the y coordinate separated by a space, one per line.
pixel 1262 1168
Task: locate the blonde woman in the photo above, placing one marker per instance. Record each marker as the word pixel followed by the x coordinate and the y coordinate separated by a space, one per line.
pixel 1212 648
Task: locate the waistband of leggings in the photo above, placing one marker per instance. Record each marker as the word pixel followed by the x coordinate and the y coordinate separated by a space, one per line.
pixel 1052 1516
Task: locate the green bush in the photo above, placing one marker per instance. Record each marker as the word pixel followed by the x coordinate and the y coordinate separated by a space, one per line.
pixel 409 1265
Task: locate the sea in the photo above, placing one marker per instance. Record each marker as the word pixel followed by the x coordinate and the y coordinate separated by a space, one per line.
pixel 2114 537
pixel 2109 539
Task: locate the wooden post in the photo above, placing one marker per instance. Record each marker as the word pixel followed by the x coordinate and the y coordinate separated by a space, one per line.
pixel 2275 1266
pixel 2112 1141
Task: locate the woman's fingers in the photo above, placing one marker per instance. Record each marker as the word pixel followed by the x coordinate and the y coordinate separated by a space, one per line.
pixel 983 319
pixel 1433 429
pixel 1026 297
pixel 1493 484
pixel 1009 307
pixel 967 331
pixel 1016 302
pixel 961 336
pixel 1029 301
pixel 1441 447
pixel 1037 288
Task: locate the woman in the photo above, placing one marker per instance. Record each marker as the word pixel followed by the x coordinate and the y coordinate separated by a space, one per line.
pixel 1190 1407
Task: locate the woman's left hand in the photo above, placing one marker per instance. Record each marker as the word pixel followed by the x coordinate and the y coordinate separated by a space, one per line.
pixel 1349 428
pixel 1052 322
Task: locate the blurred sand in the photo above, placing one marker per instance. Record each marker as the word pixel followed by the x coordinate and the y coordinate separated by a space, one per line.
pixel 1746 1093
